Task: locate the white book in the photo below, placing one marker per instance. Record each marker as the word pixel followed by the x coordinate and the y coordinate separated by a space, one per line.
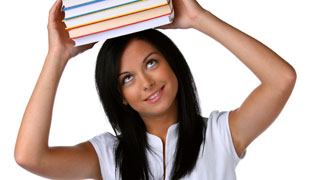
pixel 96 7
pixel 119 22
pixel 125 30
pixel 115 12
pixel 71 3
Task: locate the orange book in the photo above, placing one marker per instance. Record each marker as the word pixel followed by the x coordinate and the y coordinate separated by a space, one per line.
pixel 135 27
pixel 119 21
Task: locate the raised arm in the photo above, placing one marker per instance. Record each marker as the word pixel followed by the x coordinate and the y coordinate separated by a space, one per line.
pixel 32 151
pixel 277 77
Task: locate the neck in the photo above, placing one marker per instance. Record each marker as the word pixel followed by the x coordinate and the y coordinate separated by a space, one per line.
pixel 158 124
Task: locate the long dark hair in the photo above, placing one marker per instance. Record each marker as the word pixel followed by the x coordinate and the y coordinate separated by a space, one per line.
pixel 130 153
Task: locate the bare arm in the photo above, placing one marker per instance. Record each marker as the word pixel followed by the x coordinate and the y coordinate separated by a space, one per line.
pixel 32 151
pixel 277 77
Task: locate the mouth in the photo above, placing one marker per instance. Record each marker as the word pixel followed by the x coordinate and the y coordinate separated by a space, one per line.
pixel 154 97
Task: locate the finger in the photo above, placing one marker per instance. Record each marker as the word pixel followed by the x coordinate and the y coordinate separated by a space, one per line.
pixel 167 26
pixel 54 11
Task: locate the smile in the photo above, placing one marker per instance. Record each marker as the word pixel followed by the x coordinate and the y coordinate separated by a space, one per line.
pixel 155 97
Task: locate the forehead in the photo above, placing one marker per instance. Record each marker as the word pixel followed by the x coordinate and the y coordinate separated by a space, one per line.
pixel 136 50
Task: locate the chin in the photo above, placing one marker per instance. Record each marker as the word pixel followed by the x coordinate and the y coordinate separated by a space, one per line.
pixel 157 109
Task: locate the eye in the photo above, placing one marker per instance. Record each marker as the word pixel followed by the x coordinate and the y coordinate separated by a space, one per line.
pixel 126 79
pixel 152 62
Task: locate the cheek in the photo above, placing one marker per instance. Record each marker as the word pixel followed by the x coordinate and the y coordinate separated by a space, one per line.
pixel 174 83
pixel 131 94
pixel 166 73
pixel 171 81
pixel 171 77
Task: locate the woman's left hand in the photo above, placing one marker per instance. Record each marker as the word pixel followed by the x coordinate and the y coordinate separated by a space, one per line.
pixel 186 13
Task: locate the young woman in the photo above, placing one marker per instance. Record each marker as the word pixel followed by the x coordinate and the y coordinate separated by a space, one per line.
pixel 149 96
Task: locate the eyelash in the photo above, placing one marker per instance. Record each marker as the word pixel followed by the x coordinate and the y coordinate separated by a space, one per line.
pixel 151 60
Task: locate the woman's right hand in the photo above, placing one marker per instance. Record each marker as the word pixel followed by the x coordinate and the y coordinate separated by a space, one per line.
pixel 32 150
pixel 59 42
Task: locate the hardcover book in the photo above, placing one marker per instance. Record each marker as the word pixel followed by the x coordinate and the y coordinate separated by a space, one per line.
pixel 89 21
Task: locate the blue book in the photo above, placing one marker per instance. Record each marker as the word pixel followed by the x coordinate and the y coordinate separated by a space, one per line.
pixel 96 7
pixel 69 4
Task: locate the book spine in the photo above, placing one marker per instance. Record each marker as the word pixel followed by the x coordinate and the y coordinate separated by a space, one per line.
pixel 80 5
pixel 120 26
pixel 99 10
pixel 121 15
pixel 124 30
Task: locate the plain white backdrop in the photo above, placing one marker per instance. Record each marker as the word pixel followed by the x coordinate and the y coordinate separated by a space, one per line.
pixel 288 149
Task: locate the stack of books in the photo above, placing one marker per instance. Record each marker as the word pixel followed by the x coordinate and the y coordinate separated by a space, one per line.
pixel 90 21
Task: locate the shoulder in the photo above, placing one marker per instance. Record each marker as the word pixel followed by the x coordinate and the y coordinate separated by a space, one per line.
pixel 103 143
pixel 106 136
pixel 217 126
pixel 218 132
pixel 217 119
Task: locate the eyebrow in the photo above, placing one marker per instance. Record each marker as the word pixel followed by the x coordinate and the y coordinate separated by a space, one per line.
pixel 144 59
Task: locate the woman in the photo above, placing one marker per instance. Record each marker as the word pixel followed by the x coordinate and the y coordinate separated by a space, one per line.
pixel 149 96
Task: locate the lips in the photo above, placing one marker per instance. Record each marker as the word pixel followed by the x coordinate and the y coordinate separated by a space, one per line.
pixel 153 93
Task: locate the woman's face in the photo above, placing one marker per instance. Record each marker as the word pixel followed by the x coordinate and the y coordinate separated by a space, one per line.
pixel 147 82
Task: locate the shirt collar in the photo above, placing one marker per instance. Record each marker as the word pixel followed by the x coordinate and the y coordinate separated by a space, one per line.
pixel 171 139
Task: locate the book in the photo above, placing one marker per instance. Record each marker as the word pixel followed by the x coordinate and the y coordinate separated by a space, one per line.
pixel 124 30
pixel 69 4
pixel 120 21
pixel 92 22
pixel 96 7
pixel 112 13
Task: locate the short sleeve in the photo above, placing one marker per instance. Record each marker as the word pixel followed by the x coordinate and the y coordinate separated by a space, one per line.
pixel 219 122
pixel 104 145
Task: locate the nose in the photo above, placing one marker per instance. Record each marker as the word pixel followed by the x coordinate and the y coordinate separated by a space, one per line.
pixel 147 81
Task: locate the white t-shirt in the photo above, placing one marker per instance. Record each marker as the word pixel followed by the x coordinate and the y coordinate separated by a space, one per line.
pixel 217 161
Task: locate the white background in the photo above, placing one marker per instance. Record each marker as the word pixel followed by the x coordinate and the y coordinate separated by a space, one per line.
pixel 288 149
